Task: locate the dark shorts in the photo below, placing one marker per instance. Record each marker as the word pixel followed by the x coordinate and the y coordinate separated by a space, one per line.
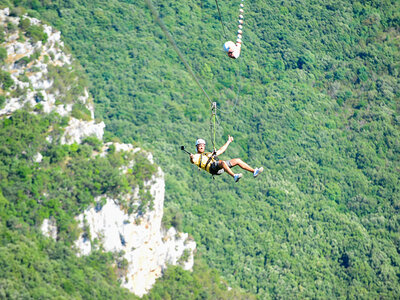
pixel 216 169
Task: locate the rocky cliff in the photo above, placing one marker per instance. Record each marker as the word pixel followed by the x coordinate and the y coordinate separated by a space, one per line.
pixel 140 237
pixel 37 75
pixel 33 66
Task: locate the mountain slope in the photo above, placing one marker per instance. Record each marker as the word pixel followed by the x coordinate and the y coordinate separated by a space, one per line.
pixel 64 194
pixel 318 108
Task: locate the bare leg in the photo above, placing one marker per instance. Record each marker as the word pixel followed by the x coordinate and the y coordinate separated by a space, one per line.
pixel 226 168
pixel 242 164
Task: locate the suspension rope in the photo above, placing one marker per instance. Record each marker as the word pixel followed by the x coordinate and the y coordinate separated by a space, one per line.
pixel 212 123
pixel 173 43
pixel 220 18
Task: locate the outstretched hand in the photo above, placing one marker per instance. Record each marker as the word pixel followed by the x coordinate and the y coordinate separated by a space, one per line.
pixel 230 139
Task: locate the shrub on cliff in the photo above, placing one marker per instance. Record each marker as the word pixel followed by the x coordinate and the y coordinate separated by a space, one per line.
pixel 36 33
pixel 5 80
pixel 3 54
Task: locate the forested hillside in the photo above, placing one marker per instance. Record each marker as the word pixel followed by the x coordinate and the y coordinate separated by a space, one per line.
pixel 54 167
pixel 318 107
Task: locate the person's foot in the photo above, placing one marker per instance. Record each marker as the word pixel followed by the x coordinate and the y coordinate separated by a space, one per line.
pixel 257 171
pixel 236 177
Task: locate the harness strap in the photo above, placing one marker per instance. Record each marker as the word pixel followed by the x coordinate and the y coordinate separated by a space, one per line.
pixel 209 159
pixel 200 160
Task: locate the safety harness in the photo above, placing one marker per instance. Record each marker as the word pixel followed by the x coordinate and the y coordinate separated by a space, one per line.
pixel 210 159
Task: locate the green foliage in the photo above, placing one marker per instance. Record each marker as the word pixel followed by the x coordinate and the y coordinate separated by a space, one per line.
pixel 21 38
pixel 172 218
pixel 38 108
pixel 143 169
pixel 93 142
pixel 202 283
pixel 2 100
pixel 81 112
pixel 23 61
pixel 17 11
pixel 24 24
pixel 5 80
pixel 318 108
pixel 39 97
pixel 34 69
pixel 3 54
pixel 11 27
pixel 185 256
pixel 36 33
pixel 62 185
pixel 65 183
pixel 23 78
pixel 69 82
pixel 34 267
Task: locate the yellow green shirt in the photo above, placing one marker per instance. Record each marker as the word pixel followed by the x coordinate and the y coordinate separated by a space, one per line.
pixel 201 160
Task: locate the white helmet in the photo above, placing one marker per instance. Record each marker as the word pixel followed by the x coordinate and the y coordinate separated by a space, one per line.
pixel 200 141
pixel 229 45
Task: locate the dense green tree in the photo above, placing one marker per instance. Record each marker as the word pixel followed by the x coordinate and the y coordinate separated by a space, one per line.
pixel 318 106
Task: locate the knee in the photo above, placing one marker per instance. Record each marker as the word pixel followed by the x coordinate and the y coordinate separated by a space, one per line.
pixel 235 161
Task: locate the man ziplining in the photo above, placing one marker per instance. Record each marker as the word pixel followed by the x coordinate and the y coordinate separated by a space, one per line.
pixel 209 161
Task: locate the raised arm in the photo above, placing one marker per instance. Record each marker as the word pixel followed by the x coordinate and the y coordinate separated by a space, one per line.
pixel 224 147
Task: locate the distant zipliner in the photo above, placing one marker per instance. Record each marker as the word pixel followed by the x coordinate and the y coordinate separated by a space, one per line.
pixel 209 161
pixel 233 49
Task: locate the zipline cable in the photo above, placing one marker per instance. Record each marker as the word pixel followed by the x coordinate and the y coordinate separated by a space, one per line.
pixel 220 18
pixel 189 69
pixel 173 43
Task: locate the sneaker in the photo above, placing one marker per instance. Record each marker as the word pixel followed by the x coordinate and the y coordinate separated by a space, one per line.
pixel 237 177
pixel 257 171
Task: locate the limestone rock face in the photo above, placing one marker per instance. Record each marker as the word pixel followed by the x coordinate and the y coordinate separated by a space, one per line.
pixel 77 130
pixel 36 70
pixel 146 245
pixel 49 228
pixel 36 88
pixel 38 157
